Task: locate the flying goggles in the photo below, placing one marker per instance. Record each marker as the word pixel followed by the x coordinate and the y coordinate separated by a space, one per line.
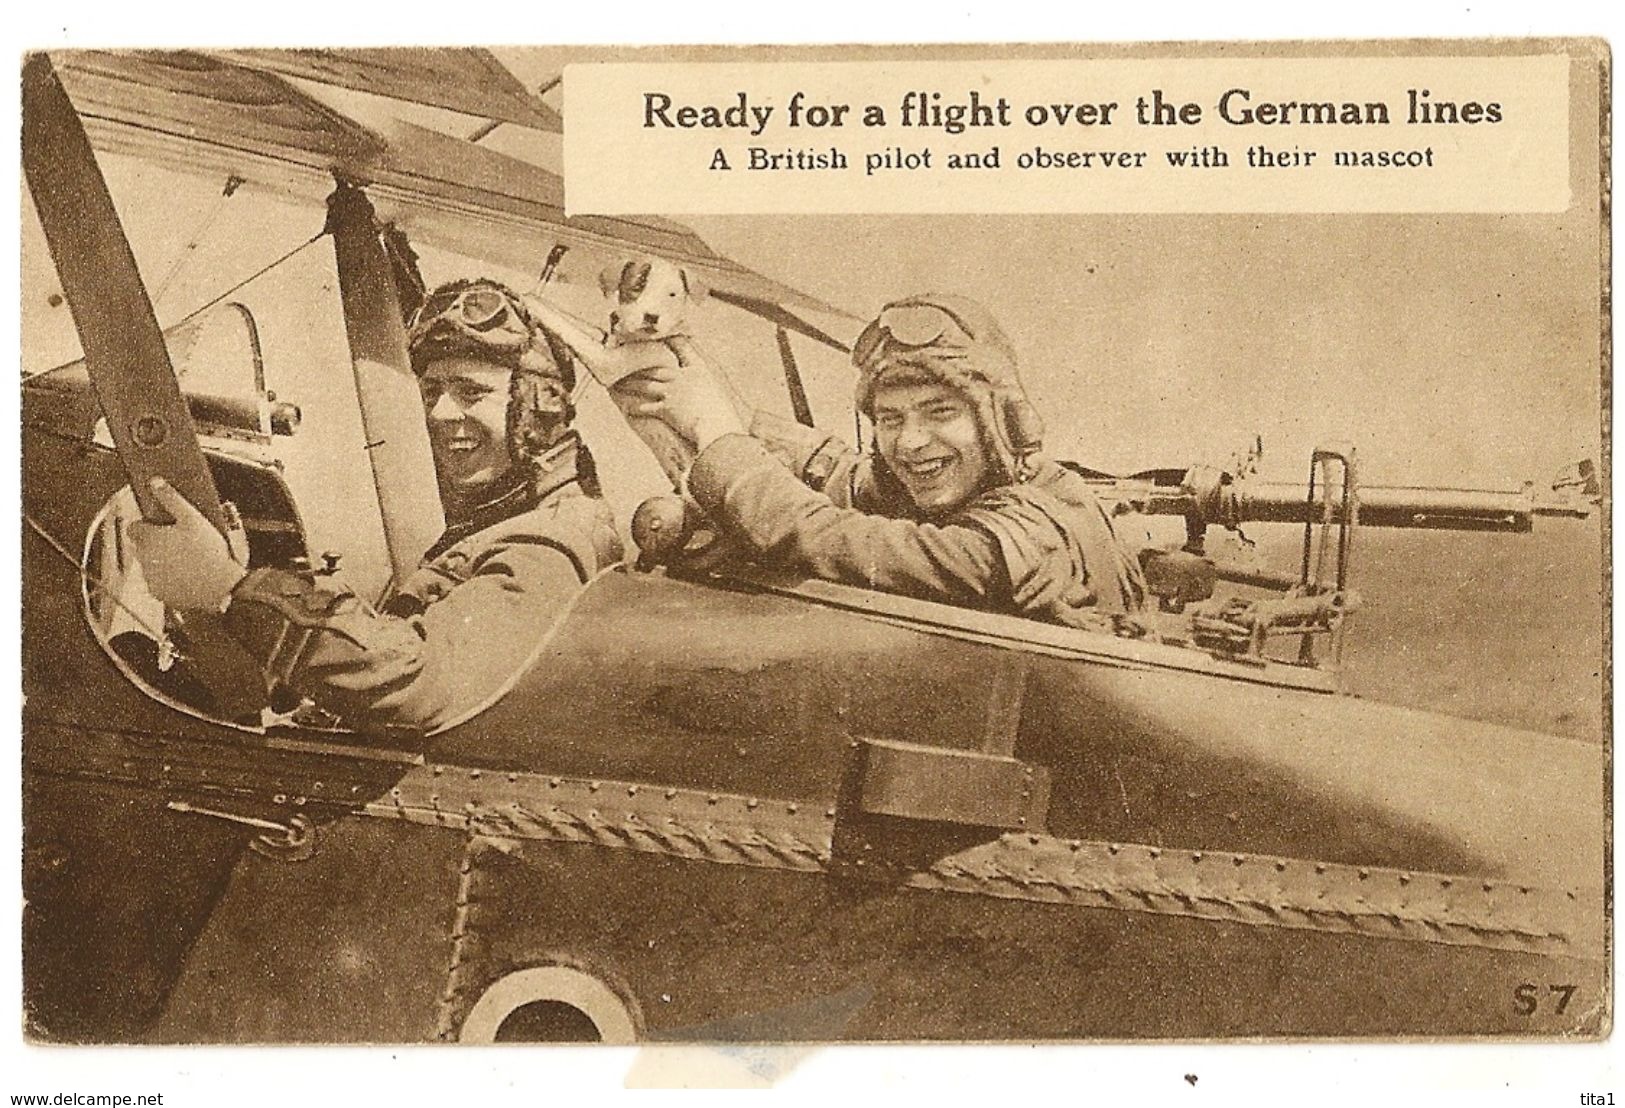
pixel 908 327
pixel 480 308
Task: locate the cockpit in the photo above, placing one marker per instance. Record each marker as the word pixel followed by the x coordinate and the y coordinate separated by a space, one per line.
pixel 266 461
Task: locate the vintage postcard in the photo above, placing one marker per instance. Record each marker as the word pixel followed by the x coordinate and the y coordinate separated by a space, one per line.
pixel 816 544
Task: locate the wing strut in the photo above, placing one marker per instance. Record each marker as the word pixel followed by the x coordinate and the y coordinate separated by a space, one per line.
pixel 792 380
pixel 397 438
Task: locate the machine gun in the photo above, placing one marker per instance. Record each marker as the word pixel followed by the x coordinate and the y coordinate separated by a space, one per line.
pixel 1313 603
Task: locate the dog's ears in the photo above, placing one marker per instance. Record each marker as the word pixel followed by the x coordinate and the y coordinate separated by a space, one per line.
pixel 623 281
pixel 612 277
pixel 693 285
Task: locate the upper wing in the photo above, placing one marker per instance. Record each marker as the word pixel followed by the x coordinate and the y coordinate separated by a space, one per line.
pixel 462 79
pixel 231 114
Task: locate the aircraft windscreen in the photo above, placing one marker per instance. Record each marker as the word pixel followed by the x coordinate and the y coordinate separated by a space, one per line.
pixel 218 354
pixel 216 357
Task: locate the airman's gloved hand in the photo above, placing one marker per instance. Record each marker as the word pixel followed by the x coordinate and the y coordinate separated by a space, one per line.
pixel 188 564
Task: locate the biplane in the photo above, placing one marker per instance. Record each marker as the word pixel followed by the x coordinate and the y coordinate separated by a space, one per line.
pixel 720 803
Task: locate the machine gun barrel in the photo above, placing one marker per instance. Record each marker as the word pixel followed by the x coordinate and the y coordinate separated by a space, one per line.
pixel 1249 500
pixel 1443 509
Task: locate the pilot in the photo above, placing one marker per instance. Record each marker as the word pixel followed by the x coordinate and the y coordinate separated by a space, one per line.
pixel 954 504
pixel 526 527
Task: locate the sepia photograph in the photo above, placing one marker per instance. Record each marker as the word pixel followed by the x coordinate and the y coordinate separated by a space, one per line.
pixel 806 545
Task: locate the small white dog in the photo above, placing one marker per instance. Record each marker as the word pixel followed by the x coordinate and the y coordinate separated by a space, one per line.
pixel 651 299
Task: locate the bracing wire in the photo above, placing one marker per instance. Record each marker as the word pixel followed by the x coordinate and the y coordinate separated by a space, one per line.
pixel 256 275
pixel 200 309
pixel 233 182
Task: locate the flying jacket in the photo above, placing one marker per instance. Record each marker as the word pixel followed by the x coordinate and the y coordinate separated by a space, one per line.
pixel 1043 548
pixel 454 632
